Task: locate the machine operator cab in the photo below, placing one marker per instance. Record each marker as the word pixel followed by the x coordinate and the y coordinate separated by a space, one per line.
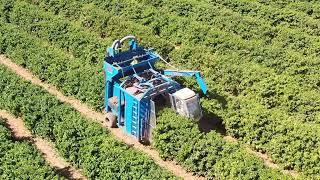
pixel 186 103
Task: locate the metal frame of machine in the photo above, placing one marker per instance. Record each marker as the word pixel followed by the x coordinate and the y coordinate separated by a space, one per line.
pixel 132 83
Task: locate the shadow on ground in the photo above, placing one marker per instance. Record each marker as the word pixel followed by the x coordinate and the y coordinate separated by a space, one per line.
pixel 65 172
pixel 211 121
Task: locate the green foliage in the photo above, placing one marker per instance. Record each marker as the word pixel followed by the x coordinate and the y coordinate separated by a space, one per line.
pixel 21 160
pixel 207 154
pixel 85 144
pixel 261 62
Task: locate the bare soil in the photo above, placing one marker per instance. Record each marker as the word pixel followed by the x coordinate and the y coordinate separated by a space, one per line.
pixel 20 132
pixel 99 117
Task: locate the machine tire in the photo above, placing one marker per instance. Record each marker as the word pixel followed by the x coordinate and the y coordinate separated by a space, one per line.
pixel 111 120
pixel 145 141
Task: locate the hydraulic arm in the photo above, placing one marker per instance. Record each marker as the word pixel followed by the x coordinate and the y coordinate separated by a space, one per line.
pixel 134 88
pixel 196 74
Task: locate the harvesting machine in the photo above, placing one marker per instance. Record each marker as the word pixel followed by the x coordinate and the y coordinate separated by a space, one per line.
pixel 133 86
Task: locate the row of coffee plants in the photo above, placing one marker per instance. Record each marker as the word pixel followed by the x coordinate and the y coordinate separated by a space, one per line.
pixel 207 153
pixel 304 68
pixel 19 159
pixel 85 144
pixel 91 148
pixel 227 72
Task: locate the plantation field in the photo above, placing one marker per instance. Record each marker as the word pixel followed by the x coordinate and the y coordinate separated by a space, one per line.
pixel 20 159
pixel 260 60
pixel 205 164
pixel 86 145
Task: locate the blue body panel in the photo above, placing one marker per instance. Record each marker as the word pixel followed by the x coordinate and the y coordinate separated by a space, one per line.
pixel 128 114
pixel 130 67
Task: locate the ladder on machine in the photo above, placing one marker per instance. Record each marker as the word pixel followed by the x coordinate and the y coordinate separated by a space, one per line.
pixel 140 116
pixel 135 119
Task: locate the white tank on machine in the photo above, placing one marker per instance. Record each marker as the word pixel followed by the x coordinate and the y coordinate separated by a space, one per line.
pixel 186 103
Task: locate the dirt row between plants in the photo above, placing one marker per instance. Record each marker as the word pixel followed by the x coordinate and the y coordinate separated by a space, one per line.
pixel 99 117
pixel 89 113
pixel 20 132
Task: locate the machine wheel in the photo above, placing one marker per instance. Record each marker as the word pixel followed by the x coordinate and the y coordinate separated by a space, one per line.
pixel 111 120
pixel 145 141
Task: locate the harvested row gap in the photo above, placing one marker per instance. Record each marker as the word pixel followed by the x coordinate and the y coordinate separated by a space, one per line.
pixel 20 132
pixel 90 114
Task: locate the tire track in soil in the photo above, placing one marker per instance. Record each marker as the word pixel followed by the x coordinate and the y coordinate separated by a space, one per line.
pixel 20 132
pixel 99 117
